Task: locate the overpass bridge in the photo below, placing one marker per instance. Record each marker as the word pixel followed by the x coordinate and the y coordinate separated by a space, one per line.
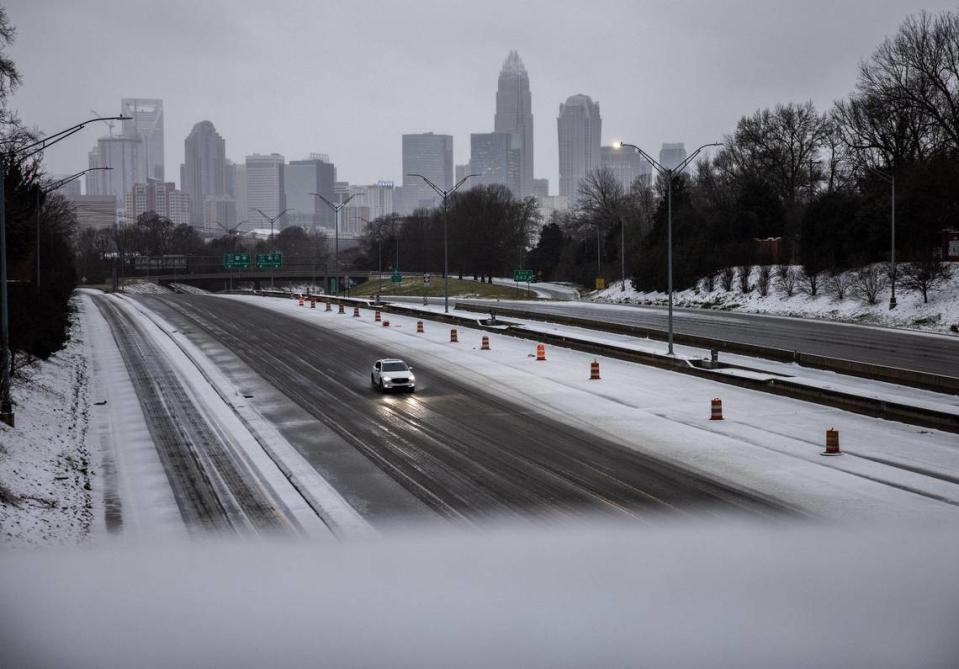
pixel 259 279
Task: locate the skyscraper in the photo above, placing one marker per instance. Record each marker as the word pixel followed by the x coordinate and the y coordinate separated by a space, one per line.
pixel 203 172
pixel 122 155
pixel 95 181
pixel 430 155
pixel 303 177
pixel 160 197
pixel 146 124
pixel 540 188
pixel 671 155
pixel 236 186
pixel 626 165
pixel 514 116
pixel 579 126
pixel 492 160
pixel 264 188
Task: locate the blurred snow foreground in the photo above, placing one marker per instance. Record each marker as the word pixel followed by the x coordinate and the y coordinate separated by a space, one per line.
pixel 727 595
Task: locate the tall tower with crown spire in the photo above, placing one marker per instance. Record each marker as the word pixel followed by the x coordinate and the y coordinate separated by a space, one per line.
pixel 514 116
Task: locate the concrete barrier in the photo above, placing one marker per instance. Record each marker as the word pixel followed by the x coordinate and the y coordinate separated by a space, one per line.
pixel 906 377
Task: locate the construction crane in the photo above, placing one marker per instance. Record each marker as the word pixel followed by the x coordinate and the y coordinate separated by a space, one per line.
pixel 107 121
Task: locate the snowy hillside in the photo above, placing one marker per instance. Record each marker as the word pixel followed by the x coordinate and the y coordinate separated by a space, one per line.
pixel 941 314
pixel 45 464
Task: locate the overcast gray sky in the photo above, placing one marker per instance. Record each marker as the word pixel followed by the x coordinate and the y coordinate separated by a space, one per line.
pixel 349 77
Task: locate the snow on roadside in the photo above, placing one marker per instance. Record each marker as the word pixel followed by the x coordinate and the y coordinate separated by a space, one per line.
pixel 187 288
pixel 45 472
pixel 545 289
pixel 141 287
pixel 939 315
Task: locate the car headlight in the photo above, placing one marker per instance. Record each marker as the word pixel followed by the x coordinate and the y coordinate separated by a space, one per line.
pixel 412 379
pixel 387 378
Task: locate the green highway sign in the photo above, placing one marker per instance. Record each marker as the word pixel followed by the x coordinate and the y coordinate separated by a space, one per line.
pixel 396 277
pixel 520 275
pixel 269 260
pixel 236 260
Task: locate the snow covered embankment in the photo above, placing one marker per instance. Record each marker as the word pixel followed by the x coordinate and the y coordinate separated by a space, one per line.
pixel 45 474
pixel 941 314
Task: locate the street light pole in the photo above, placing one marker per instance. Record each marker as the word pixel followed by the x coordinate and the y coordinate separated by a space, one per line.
pixel 233 233
pixel 272 220
pixel 669 173
pixel 599 265
pixel 892 244
pixel 622 253
pixel 377 233
pixel 446 265
pixel 336 237
pixel 24 152
pixel 890 178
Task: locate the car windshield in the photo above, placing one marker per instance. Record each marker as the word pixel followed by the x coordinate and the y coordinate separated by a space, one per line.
pixel 395 367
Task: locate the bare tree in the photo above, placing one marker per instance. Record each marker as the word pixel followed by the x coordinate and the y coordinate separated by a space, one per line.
pixel 742 273
pixel 878 132
pixel 601 198
pixel 809 280
pixel 839 284
pixel 9 75
pixel 726 277
pixel 924 275
pixel 869 281
pixel 919 68
pixel 786 280
pixel 762 280
pixel 709 282
pixel 778 145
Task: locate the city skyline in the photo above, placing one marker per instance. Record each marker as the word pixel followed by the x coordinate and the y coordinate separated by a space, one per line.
pixel 653 90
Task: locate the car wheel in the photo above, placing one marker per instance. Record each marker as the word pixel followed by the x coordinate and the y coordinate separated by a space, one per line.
pixel 382 389
pixel 372 380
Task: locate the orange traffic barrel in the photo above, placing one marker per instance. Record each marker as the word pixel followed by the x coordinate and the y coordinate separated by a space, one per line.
pixel 832 442
pixel 484 346
pixel 453 337
pixel 540 352
pixel 716 409
pixel 594 370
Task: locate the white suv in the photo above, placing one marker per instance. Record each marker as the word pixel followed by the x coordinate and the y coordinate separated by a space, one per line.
pixel 392 374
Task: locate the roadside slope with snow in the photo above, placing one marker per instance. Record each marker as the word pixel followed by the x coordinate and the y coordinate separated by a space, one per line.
pixel 941 314
pixel 45 464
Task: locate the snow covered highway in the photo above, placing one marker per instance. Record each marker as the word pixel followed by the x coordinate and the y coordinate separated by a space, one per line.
pixel 462 450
